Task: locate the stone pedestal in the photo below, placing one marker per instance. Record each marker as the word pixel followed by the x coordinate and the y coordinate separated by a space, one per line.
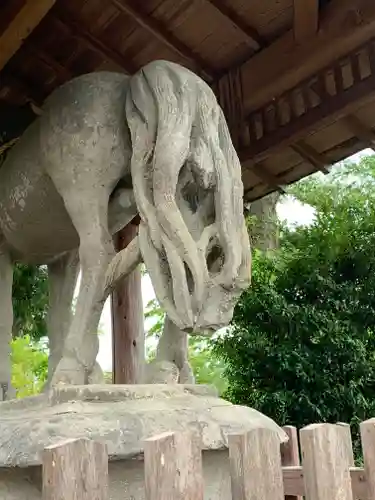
pixel 122 417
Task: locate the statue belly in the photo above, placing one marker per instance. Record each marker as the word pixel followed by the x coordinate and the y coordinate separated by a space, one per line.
pixel 34 220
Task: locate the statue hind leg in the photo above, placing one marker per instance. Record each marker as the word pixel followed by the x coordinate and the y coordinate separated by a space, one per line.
pixel 89 214
pixel 6 321
pixel 62 279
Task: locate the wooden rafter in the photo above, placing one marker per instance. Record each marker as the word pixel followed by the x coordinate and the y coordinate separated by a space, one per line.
pixel 361 131
pixel 274 70
pixel 310 154
pixel 327 107
pixel 158 30
pixel 306 19
pixel 25 21
pixel 251 35
pixel 29 92
pixel 261 170
pixel 61 72
pixel 81 34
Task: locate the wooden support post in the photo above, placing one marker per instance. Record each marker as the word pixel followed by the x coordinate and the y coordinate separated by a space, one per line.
pixel 326 462
pixel 127 320
pixel 290 453
pixel 347 441
pixel 255 465
pixel 75 469
pixel 173 467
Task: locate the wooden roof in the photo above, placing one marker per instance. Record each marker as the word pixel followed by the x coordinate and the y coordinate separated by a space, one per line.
pixel 296 78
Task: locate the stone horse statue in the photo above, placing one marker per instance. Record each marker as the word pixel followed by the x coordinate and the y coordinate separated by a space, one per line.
pixel 106 148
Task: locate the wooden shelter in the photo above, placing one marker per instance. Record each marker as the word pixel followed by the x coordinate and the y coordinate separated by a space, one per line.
pixel 296 78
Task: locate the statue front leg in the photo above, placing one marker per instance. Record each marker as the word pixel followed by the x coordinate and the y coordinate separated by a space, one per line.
pixel 6 323
pixel 173 347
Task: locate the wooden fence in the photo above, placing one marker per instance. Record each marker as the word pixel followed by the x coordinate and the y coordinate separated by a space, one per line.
pixel 78 469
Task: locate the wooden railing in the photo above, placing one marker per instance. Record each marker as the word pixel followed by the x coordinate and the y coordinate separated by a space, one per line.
pixel 78 469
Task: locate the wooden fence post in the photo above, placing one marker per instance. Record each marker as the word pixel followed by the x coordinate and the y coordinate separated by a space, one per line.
pixel 347 437
pixel 173 467
pixel 368 448
pixel 326 464
pixel 75 469
pixel 290 453
pixel 255 465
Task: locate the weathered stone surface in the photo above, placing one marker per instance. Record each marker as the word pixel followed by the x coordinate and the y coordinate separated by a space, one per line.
pixel 122 416
pixel 106 148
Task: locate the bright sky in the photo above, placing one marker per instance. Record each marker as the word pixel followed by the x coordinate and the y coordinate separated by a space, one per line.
pixel 290 210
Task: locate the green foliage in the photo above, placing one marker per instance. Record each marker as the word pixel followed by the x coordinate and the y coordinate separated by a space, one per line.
pixel 156 314
pixel 29 366
pixel 302 345
pixel 30 301
pixel 207 367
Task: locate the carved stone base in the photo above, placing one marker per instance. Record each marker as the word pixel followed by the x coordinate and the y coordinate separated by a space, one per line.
pixel 122 416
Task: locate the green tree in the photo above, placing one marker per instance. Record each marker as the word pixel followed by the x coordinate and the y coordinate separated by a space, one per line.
pixel 30 301
pixel 29 366
pixel 302 345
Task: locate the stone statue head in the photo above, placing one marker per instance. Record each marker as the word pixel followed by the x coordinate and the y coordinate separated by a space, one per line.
pixel 188 189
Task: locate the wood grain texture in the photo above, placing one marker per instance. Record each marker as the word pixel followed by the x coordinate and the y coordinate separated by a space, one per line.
pixel 255 465
pixel 346 25
pixel 309 154
pixel 21 26
pixel 290 454
pixel 173 467
pixel 127 320
pixel 75 470
pixel 360 130
pixel 294 482
pixel 306 19
pixel 326 463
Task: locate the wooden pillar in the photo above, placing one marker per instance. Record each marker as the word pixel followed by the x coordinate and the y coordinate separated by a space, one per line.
pixel 127 320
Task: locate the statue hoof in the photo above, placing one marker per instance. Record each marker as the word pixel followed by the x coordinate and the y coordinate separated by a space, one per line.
pixel 96 375
pixel 186 375
pixel 69 372
pixel 161 372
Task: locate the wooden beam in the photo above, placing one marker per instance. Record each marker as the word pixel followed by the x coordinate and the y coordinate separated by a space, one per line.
pixel 346 24
pixel 360 130
pixel 310 155
pixel 306 19
pixel 157 30
pixel 263 173
pixel 251 35
pixel 329 108
pixel 26 20
pixel 337 153
pixel 81 34
pixel 24 89
pixel 62 74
